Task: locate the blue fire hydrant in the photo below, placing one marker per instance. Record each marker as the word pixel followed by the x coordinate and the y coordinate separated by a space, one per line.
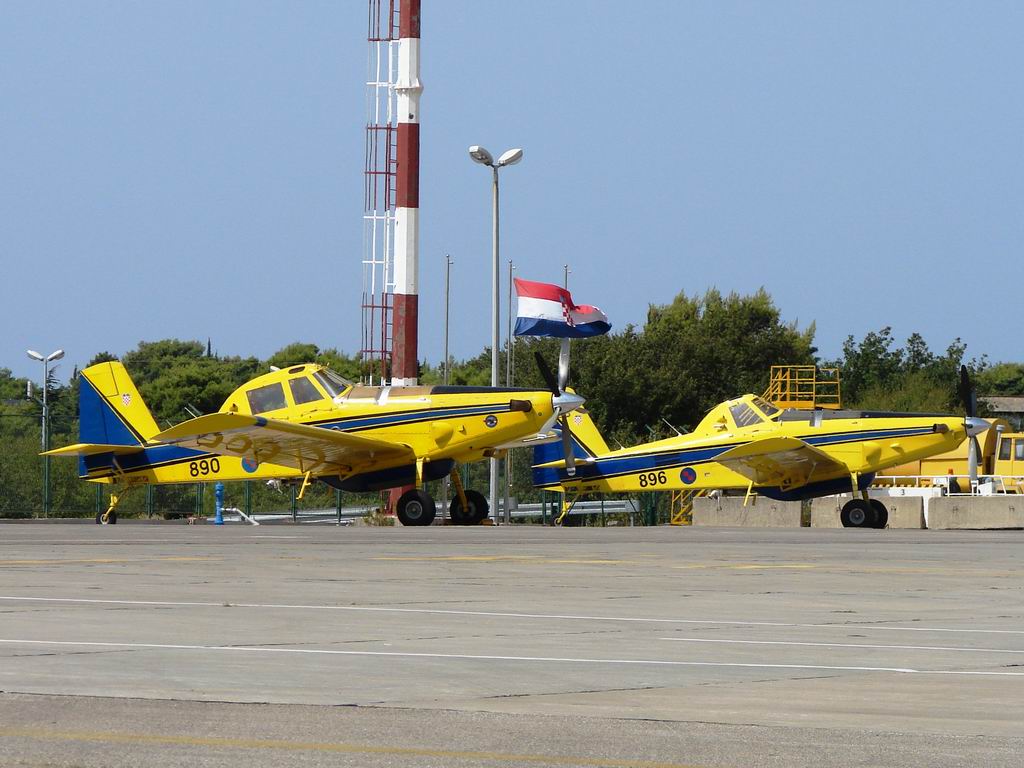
pixel 218 493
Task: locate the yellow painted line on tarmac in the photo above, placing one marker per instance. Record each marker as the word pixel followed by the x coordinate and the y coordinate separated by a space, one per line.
pixel 744 566
pixel 524 559
pixel 770 566
pixel 109 560
pixel 459 558
pixel 839 568
pixel 109 737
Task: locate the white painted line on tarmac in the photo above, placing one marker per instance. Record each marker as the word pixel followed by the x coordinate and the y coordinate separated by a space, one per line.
pixel 475 657
pixel 841 645
pixel 504 614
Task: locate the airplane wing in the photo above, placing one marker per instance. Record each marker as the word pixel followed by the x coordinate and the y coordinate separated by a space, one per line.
pixel 305 448
pixel 787 462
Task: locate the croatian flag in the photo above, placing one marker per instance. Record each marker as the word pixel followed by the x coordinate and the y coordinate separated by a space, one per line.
pixel 548 310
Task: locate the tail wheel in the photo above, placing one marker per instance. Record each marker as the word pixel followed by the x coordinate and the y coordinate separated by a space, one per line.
pixel 415 507
pixel 881 513
pixel 476 509
pixel 111 518
pixel 858 513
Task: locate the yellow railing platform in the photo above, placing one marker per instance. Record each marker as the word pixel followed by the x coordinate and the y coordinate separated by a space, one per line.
pixel 804 386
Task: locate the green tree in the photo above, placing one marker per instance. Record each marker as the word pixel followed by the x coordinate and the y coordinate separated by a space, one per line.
pixel 877 375
pixel 1005 379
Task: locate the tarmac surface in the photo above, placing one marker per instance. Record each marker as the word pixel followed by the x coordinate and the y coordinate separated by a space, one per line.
pixel 166 645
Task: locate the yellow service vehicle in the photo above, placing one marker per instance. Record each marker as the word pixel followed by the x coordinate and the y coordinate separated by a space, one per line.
pixel 1008 464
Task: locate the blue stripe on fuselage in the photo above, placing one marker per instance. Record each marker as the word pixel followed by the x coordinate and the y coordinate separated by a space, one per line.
pixel 102 464
pixel 358 423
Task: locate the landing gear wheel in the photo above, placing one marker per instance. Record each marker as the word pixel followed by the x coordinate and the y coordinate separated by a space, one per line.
pixel 111 518
pixel 881 513
pixel 476 512
pixel 857 513
pixel 415 507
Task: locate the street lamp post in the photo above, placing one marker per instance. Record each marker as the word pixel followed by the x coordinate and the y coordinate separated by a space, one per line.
pixel 45 439
pixel 510 157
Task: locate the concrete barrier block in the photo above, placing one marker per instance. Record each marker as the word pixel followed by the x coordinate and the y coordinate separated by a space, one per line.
pixel 761 513
pixel 976 512
pixel 825 511
pixel 904 511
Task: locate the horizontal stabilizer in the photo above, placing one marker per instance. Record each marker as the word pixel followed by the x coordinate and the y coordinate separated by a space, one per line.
pixel 91 449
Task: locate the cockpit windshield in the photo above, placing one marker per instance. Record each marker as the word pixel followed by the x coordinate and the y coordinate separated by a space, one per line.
pixel 332 382
pixel 767 408
pixel 744 415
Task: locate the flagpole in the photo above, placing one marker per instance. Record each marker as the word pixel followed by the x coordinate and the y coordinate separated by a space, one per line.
pixel 447 294
pixel 508 383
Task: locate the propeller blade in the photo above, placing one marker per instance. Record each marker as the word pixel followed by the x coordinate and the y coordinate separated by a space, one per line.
pixel 546 374
pixel 563 365
pixel 973 452
pixel 567 451
pixel 966 392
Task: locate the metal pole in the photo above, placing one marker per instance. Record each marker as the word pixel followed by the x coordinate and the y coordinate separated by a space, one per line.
pixel 495 330
pixel 567 271
pixel 447 304
pixel 447 363
pixel 45 440
pixel 508 337
pixel 508 383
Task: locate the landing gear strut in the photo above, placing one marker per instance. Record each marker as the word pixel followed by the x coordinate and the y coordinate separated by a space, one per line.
pixel 110 516
pixel 473 512
pixel 467 507
pixel 417 507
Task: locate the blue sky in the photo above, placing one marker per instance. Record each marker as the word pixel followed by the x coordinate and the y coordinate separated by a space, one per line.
pixel 194 169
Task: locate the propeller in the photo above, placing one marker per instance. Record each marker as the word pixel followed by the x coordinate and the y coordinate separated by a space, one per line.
pixel 972 424
pixel 562 401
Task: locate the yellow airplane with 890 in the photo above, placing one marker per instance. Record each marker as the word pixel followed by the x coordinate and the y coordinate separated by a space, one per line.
pixel 307 423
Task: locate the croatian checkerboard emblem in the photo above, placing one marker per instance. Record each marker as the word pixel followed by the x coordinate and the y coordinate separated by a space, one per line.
pixel 126 399
pixel 567 312
pixel 577 419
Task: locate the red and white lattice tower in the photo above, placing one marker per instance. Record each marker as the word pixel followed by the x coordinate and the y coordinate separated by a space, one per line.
pixel 391 193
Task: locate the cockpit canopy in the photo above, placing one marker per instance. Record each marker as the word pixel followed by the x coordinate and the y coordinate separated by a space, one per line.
pixel 746 411
pixel 297 385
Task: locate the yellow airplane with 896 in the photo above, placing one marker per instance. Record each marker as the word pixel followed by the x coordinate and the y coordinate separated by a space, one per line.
pixel 749 444
pixel 307 423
